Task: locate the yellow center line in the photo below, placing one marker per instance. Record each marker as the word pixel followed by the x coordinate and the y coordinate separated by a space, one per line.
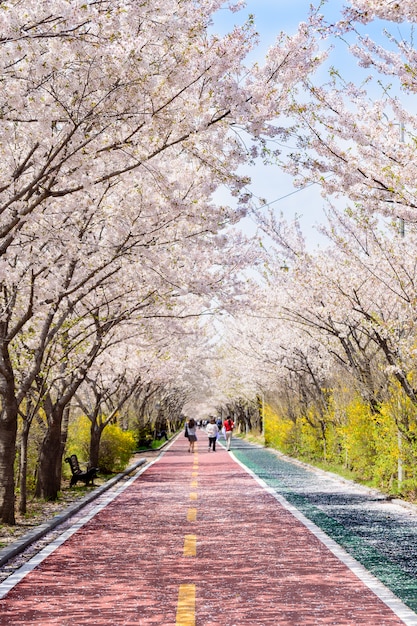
pixel 194 484
pixel 186 606
pixel 193 496
pixel 191 515
pixel 194 474
pixel 190 545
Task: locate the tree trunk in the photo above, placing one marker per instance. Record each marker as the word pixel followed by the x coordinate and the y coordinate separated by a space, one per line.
pixel 24 466
pixel 64 430
pixel 8 434
pixel 95 437
pixel 50 458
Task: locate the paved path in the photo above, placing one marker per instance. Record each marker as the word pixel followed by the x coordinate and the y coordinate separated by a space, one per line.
pixel 195 540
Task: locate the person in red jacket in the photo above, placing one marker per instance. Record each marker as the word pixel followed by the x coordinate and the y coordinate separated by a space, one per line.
pixel 228 426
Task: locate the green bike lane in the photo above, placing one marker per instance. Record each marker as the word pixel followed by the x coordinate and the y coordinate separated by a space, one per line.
pixel 381 535
pixel 196 539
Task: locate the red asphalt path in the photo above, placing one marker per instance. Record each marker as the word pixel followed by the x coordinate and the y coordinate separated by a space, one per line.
pixel 254 562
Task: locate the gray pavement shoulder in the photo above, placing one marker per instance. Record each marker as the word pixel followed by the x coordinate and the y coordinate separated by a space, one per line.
pixel 370 490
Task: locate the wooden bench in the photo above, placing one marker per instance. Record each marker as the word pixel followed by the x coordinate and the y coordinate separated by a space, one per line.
pixel 85 476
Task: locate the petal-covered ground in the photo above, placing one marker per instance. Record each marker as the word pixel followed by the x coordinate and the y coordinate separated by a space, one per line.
pixel 195 539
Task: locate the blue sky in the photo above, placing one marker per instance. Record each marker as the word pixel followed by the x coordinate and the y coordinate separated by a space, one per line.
pixel 271 17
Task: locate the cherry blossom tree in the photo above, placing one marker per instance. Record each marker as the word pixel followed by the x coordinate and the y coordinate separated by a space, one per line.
pixel 356 133
pixel 365 10
pixel 349 307
pixel 113 116
pixel 159 365
pixel 345 312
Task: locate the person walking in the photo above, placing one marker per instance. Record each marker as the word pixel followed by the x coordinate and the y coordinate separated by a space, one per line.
pixel 219 423
pixel 228 426
pixel 212 431
pixel 192 434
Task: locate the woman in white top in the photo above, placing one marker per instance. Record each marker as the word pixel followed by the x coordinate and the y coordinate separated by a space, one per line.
pixel 212 432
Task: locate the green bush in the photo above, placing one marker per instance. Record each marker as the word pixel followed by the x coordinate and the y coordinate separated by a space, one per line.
pixel 78 441
pixel 144 436
pixel 116 449
pixel 116 445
